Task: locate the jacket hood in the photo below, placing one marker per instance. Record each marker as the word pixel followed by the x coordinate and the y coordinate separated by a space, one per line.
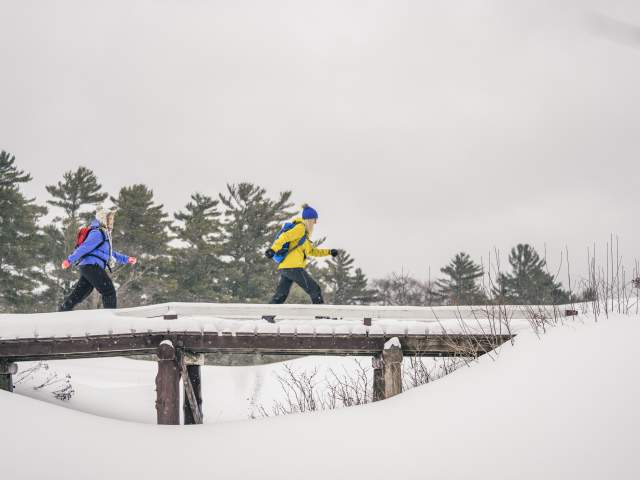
pixel 95 223
pixel 300 220
pixel 102 214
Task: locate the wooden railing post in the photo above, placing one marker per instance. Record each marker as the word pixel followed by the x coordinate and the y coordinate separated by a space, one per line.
pixel 192 384
pixel 392 359
pixel 7 370
pixel 378 377
pixel 387 371
pixel 168 385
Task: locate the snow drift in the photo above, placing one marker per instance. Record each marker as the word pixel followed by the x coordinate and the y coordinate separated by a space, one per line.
pixel 564 406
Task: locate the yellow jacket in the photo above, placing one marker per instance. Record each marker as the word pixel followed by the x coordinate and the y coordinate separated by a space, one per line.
pixel 297 257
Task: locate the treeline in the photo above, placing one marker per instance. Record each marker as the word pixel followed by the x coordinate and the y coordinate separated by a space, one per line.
pixel 212 250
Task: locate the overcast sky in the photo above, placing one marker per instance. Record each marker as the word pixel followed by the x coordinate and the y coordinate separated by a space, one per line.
pixel 416 128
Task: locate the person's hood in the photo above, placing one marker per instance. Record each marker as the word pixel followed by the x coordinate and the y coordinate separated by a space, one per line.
pixel 95 223
pixel 101 215
pixel 300 220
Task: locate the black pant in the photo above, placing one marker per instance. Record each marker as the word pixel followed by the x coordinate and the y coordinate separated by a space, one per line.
pixel 302 278
pixel 91 276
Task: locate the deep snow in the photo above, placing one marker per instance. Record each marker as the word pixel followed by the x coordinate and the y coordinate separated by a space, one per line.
pixel 564 406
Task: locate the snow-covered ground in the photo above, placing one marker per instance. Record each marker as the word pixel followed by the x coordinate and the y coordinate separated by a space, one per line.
pixel 564 406
pixel 124 389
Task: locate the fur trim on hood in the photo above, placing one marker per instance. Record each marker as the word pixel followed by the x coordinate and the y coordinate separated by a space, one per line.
pixel 102 214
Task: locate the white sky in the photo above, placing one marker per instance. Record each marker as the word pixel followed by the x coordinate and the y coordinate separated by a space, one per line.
pixel 416 128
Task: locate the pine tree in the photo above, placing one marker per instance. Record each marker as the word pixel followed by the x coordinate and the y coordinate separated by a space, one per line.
pixel 141 229
pixel 77 195
pixel 402 289
pixel 77 190
pixel 461 288
pixel 344 286
pixel 21 242
pixel 529 283
pixel 251 221
pixel 197 268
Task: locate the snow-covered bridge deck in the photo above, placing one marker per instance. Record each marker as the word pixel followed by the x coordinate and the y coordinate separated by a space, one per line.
pixel 238 328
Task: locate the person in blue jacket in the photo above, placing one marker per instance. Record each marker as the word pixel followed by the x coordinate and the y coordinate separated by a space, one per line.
pixel 94 256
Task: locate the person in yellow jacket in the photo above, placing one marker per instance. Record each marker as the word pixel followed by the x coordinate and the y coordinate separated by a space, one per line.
pixel 292 248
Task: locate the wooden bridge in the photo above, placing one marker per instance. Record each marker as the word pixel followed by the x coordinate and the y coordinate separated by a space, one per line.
pixel 180 334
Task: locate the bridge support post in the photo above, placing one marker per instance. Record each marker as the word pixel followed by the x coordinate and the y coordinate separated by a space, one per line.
pixel 378 377
pixel 387 371
pixel 7 370
pixel 192 383
pixel 168 385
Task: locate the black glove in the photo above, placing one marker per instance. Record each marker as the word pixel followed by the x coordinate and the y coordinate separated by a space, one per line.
pixel 334 252
pixel 269 253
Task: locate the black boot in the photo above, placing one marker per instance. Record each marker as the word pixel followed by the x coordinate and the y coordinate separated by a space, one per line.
pixel 66 306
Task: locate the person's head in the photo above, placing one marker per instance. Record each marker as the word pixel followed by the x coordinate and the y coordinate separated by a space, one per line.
pixel 105 217
pixel 309 216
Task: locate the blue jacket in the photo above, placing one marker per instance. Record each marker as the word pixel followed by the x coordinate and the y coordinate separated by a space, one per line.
pixel 99 256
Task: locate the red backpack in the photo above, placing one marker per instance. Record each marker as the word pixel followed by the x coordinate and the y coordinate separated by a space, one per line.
pixel 81 236
pixel 83 233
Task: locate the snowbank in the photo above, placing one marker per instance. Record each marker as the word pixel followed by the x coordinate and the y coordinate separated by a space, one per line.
pixel 551 408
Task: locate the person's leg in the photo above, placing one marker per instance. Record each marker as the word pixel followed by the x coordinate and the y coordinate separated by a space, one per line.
pixel 81 290
pixel 308 284
pixel 282 292
pixel 102 283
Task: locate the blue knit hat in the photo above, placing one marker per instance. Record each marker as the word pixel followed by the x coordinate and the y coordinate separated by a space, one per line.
pixel 308 212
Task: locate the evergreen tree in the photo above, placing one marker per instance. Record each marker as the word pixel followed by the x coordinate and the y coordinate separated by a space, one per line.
pixel 77 195
pixel 529 283
pixel 251 221
pixel 461 287
pixel 141 229
pixel 344 286
pixel 20 240
pixel 197 268
pixel 402 289
pixel 76 190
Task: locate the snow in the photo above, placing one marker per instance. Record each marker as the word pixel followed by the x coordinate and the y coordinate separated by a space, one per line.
pixel 554 407
pixel 104 385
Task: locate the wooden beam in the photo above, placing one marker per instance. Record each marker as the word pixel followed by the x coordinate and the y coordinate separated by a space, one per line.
pixel 192 409
pixel 273 344
pixel 387 371
pixel 392 368
pixel 378 377
pixel 7 370
pixel 167 385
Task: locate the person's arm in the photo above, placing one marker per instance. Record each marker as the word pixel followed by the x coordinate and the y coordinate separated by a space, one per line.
pixel 120 257
pixel 319 252
pixel 295 233
pixel 91 242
